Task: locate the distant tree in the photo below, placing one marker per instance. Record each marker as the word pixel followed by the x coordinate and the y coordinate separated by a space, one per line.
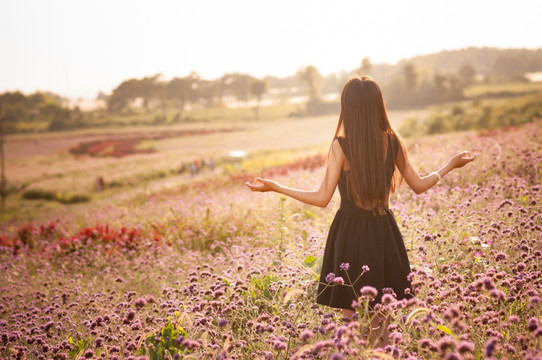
pixel 178 91
pixel 239 85
pixel 194 80
pixel 34 100
pixel 210 92
pixel 456 87
pixel 311 77
pixel 441 88
pixel 122 95
pixel 366 67
pixel 148 88
pixel 258 88
pixel 467 74
pixel 40 106
pixel 411 84
pixel 129 90
pixel 410 77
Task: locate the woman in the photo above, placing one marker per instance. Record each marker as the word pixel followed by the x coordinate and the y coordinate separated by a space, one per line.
pixel 367 160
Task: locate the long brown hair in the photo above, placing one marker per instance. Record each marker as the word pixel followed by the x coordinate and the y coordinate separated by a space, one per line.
pixel 364 123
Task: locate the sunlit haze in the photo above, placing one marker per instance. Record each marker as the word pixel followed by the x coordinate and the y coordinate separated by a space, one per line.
pixel 79 48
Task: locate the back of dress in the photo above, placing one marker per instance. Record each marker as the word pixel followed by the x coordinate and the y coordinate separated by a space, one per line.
pixel 347 199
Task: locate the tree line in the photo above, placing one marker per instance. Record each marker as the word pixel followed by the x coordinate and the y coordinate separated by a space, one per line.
pixel 17 108
pixel 419 81
pixel 182 91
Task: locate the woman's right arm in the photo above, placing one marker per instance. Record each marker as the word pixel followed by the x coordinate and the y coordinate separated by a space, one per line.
pixel 421 184
pixel 320 197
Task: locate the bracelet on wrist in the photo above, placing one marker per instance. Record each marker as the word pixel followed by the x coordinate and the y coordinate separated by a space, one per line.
pixel 437 175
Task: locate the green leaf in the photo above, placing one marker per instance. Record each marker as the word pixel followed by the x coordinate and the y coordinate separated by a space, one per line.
pixel 309 261
pixel 446 330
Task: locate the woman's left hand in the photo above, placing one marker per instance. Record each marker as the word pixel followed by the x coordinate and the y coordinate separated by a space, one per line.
pixel 262 185
pixel 462 159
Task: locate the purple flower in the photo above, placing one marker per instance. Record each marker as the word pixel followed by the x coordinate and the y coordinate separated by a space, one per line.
pixel 140 303
pixel 427 343
pixel 306 335
pixel 387 299
pixel 330 277
pixel 491 346
pixel 396 337
pixel 532 324
pixel 222 322
pixel 497 294
pixel 355 304
pixel 369 291
pixel 344 266
pixel 447 342
pixel 465 346
pixel 191 344
pixel 513 319
pixel 453 356
pixel 337 356
pixel 338 281
pixel 365 268
pixel 279 345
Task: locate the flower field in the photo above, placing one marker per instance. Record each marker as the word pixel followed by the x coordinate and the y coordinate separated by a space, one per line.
pixel 214 271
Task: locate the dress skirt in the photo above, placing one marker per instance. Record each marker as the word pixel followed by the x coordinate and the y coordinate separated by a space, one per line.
pixel 358 237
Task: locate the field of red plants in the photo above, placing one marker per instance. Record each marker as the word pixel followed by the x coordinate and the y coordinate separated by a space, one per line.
pixel 126 144
pixel 214 271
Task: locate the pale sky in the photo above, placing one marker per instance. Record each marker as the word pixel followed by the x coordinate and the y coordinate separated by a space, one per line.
pixel 76 48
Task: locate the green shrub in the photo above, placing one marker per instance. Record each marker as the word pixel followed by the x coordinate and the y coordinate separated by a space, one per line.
pixel 64 198
pixel 511 113
pixel 38 194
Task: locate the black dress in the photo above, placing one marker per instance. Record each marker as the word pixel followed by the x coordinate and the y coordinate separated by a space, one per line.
pixel 359 237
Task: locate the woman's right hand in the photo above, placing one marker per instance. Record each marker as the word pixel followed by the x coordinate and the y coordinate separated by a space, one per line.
pixel 462 159
pixel 262 185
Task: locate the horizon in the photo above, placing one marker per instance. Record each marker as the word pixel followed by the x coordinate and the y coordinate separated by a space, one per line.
pixel 78 56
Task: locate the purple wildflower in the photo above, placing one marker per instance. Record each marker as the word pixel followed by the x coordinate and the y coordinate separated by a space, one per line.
pixel 491 346
pixel 140 303
pixel 387 299
pixel 369 292
pixel 465 347
pixel 306 335
pixel 532 324
pixel 330 277
pixel 447 342
pixel 513 319
pixel 279 345
pixel 344 266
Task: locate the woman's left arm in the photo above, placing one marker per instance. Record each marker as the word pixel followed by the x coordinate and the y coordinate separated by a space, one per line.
pixel 323 195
